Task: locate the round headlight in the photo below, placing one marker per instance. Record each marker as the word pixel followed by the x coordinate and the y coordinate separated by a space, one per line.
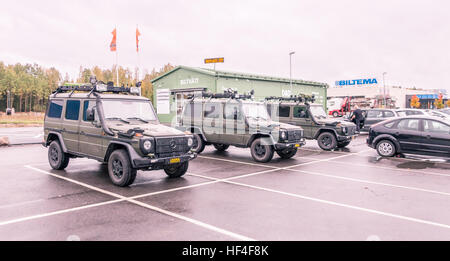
pixel 147 145
pixel 190 141
pixel 283 135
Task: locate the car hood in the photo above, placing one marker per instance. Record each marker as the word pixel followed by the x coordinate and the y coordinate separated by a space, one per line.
pixel 269 124
pixel 150 129
pixel 334 122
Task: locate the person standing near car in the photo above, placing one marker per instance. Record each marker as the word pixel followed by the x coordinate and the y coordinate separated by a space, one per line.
pixel 357 117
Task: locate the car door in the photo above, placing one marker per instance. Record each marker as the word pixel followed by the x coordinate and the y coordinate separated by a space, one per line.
pixel 234 124
pixel 409 135
pixel 212 121
pixel 70 125
pixel 302 117
pixel 91 133
pixel 436 137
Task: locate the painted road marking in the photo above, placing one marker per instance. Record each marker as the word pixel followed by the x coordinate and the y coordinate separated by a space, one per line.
pixel 145 205
pixel 328 202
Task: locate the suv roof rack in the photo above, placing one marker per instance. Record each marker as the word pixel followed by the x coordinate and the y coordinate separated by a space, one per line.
pixel 227 94
pixel 294 98
pixel 97 86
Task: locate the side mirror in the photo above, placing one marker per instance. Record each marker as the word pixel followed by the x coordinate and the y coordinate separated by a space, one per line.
pixel 90 114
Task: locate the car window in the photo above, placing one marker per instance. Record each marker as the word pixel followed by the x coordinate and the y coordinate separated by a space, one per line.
pixel 232 111
pixel 408 124
pixel 55 109
pixel 436 127
pixel 283 111
pixel 390 124
pixel 388 114
pixel 374 114
pixel 212 110
pixel 300 112
pixel 87 105
pixel 72 110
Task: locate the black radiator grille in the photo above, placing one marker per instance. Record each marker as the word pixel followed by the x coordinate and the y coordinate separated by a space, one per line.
pixel 171 147
pixel 295 135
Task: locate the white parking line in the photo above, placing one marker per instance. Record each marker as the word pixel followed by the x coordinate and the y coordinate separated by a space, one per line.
pixel 384 167
pixel 328 202
pixel 168 213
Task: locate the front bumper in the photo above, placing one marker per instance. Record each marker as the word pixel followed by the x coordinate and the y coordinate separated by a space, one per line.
pixel 159 163
pixel 343 138
pixel 282 146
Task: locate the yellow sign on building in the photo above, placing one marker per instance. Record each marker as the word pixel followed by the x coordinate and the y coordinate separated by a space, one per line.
pixel 214 60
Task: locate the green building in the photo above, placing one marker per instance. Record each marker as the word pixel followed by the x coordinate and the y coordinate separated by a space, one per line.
pixel 171 89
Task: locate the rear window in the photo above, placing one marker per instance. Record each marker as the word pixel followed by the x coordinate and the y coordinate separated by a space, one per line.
pixel 72 110
pixel 55 109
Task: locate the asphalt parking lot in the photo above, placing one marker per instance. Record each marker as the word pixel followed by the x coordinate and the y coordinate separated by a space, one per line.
pixel 349 194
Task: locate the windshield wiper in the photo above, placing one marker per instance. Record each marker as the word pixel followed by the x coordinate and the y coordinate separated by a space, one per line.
pixel 137 118
pixel 120 119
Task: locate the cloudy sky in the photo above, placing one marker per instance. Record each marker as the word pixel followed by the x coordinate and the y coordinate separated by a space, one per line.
pixel 332 40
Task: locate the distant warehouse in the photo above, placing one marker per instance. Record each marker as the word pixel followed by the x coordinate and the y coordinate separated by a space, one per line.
pixel 172 88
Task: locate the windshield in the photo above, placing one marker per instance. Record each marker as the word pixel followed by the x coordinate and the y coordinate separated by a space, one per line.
pixel 256 111
pixel 122 109
pixel 317 111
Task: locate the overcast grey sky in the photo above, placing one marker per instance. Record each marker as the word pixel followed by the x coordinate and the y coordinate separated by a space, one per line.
pixel 333 40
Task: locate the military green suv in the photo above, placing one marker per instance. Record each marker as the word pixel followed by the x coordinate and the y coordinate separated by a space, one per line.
pixel 111 125
pixel 329 133
pixel 228 119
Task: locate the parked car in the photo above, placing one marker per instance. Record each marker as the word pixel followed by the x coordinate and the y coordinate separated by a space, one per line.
pixel 228 119
pixel 106 123
pixel 437 113
pixel 446 111
pixel 330 133
pixel 409 112
pixel 425 135
pixel 374 116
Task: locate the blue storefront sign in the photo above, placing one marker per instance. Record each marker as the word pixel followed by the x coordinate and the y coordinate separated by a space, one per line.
pixel 368 81
pixel 427 96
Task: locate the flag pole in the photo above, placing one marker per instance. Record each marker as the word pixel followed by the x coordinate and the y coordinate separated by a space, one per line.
pixel 117 61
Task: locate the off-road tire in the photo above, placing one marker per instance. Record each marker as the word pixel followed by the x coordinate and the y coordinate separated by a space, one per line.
pixel 386 148
pixel 199 143
pixel 56 157
pixel 287 154
pixel 221 147
pixel 343 144
pixel 261 153
pixel 120 171
pixel 327 141
pixel 176 170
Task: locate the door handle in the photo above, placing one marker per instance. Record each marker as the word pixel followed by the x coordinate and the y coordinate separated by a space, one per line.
pixel 428 136
pixel 82 132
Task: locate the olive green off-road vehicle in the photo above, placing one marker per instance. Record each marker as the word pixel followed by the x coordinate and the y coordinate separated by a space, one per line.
pixel 228 119
pixel 111 125
pixel 330 133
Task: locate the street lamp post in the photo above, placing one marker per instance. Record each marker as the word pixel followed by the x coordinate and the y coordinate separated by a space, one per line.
pixel 290 70
pixel 384 89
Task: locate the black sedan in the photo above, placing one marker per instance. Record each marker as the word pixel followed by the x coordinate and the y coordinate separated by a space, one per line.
pixel 425 135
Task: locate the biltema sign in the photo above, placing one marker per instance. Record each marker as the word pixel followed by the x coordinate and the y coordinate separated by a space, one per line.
pixel 357 82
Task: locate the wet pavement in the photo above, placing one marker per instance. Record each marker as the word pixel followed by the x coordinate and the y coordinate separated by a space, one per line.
pixel 349 194
pixel 23 135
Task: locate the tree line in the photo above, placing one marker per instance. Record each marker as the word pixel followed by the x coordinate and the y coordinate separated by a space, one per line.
pixel 30 85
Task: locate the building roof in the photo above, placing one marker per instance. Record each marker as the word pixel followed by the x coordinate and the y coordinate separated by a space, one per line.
pixel 228 74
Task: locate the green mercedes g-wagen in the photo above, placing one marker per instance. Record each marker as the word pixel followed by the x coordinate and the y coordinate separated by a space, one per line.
pixel 111 125
pixel 330 133
pixel 228 119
